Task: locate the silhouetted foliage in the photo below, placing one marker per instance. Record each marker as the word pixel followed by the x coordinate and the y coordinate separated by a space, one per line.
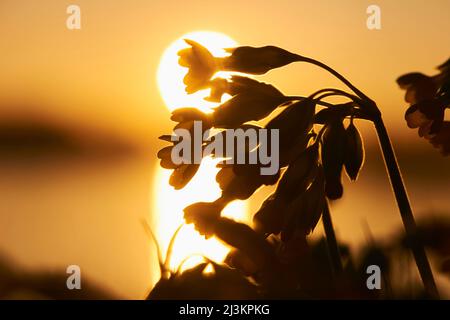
pixel 429 97
pixel 317 140
pixel 17 283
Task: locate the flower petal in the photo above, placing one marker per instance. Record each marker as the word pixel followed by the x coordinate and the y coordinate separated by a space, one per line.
pixel 164 152
pixel 201 63
pixel 187 114
pixel 182 175
pixel 409 79
pixel 204 215
pixel 415 118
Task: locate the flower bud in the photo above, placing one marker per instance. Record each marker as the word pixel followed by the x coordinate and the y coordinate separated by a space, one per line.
pixel 237 259
pixel 418 87
pixel 257 60
pixel 304 211
pixel 252 104
pixel 354 155
pixel 271 215
pixel 294 123
pixel 333 155
pixel 299 174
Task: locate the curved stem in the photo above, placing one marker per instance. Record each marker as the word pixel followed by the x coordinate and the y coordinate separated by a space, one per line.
pixel 334 92
pixel 337 75
pixel 324 90
pixel 395 178
pixel 405 209
pixel 331 94
pixel 322 103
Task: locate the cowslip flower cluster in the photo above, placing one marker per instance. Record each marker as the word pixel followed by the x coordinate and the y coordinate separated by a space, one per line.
pixel 318 142
pixel 314 148
pixel 428 97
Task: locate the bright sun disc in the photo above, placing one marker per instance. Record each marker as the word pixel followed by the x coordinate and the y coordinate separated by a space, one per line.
pixel 170 74
pixel 169 203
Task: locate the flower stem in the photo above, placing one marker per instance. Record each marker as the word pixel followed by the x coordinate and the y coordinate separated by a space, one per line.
pixel 405 209
pixel 337 75
pixel 333 247
pixel 395 177
pixel 322 103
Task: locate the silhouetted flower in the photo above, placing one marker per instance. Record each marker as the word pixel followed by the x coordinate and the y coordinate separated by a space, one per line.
pixel 426 115
pixel 238 260
pixel 418 86
pixel 429 97
pixel 252 100
pixel 275 254
pixel 182 173
pixel 270 217
pixel 441 140
pixel 339 112
pixel 273 214
pixel 241 181
pixel 204 215
pixel 219 87
pixel 186 117
pixel 201 63
pixel 223 283
pixel 354 153
pixel 259 252
pixel 304 212
pixel 294 124
pixel 299 175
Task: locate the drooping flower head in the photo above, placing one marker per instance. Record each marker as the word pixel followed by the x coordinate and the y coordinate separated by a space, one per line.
pixel 428 96
pixel 201 63
pixel 182 172
pixel 260 60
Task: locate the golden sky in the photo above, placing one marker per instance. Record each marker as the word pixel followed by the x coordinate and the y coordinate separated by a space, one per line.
pixel 105 73
pixel 104 76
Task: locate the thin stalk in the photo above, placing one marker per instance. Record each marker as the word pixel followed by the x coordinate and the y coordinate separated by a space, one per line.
pixel 335 92
pixel 405 209
pixel 337 75
pixel 322 103
pixel 326 93
pixel 332 94
pixel 396 181
pixel 333 247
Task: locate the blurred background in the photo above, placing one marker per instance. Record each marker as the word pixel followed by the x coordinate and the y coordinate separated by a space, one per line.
pixel 80 113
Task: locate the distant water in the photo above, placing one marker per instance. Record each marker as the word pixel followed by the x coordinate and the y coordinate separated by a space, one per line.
pixel 63 211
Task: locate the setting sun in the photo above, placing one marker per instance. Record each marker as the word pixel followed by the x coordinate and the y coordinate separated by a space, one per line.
pixel 300 163
pixel 169 203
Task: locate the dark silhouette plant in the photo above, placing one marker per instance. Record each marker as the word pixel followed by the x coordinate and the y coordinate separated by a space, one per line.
pixel 315 146
pixel 429 97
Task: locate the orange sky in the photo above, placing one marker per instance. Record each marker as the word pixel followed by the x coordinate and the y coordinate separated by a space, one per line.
pixel 104 76
pixel 105 73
